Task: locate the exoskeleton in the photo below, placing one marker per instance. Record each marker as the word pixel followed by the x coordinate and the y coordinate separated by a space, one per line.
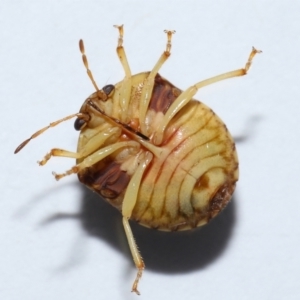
pixel 160 157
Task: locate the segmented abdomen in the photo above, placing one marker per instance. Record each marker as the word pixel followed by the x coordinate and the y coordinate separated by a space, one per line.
pixel 195 176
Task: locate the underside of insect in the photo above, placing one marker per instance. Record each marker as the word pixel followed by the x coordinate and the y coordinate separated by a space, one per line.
pixel 160 157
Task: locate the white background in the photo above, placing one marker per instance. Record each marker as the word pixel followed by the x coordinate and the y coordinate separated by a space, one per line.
pixel 58 240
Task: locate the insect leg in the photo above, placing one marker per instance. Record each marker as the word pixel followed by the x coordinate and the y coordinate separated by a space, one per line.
pixel 97 156
pixel 59 152
pixel 138 261
pixel 125 90
pixel 227 75
pixel 189 93
pixel 130 196
pixel 129 202
pixel 92 145
pixel 149 82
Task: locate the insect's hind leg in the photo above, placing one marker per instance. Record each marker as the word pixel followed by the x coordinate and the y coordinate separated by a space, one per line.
pixel 130 199
pixel 149 82
pixel 189 93
pixel 139 263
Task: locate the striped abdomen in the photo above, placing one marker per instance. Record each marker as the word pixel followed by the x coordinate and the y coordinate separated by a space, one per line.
pixel 194 178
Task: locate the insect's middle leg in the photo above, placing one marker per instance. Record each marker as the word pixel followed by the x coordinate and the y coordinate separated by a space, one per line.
pixel 98 156
pixel 59 152
pixel 149 82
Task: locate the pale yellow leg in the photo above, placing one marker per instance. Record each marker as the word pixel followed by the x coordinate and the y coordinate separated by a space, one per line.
pixel 188 94
pixel 97 156
pixel 138 261
pixel 131 194
pixel 149 82
pixel 129 202
pixel 92 145
pixel 59 152
pixel 125 90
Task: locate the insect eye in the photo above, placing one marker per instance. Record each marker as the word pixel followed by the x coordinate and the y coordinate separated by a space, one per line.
pixel 79 123
pixel 108 89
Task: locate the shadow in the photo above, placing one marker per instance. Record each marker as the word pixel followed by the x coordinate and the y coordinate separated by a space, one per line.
pixel 168 252
pixel 250 128
pixel 36 199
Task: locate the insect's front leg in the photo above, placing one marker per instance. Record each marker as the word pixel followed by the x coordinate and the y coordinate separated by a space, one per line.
pixel 125 90
pixel 100 135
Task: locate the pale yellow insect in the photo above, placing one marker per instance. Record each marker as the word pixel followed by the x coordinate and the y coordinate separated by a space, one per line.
pixel 160 157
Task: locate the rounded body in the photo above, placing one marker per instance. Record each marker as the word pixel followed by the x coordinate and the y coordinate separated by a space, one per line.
pixel 188 183
pixel 160 157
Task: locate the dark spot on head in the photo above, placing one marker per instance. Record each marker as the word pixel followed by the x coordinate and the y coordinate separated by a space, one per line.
pixel 79 123
pixel 108 89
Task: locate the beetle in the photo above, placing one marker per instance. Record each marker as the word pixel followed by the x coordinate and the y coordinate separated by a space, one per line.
pixel 160 157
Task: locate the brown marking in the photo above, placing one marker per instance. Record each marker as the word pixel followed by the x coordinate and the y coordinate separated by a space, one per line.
pixel 109 181
pixel 220 199
pixel 163 95
pixel 202 182
pixel 199 217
